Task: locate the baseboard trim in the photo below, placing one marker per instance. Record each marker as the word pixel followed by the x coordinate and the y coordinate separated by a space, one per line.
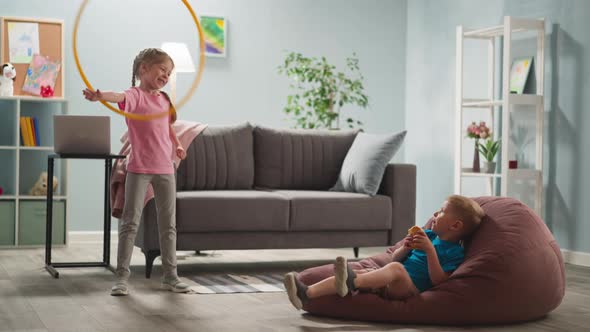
pixel 576 257
pixel 570 257
pixel 88 236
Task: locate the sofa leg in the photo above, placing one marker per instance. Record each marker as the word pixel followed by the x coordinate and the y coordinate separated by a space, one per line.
pixel 149 261
pixel 356 252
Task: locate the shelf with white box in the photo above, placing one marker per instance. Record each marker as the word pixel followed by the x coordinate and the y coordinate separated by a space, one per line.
pixel 505 105
pixel 22 215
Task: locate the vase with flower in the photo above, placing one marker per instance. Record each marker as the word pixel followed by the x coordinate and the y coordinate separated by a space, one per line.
pixel 478 131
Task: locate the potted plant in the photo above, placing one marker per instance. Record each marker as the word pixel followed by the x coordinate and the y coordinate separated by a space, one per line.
pixel 489 151
pixel 321 91
pixel 478 131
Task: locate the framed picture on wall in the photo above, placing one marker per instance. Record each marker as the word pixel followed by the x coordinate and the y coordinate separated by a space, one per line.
pixel 215 34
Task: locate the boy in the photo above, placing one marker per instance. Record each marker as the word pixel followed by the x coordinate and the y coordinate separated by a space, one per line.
pixel 426 259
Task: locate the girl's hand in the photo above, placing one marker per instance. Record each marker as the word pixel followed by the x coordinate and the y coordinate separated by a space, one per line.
pixel 92 95
pixel 421 242
pixel 180 153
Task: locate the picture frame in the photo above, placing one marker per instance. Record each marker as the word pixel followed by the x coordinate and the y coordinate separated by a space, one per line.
pixel 519 73
pixel 215 34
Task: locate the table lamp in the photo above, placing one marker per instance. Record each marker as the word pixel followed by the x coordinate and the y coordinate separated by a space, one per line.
pixel 183 63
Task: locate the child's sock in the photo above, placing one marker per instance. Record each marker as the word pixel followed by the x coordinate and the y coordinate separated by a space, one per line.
pixel 344 277
pixel 296 290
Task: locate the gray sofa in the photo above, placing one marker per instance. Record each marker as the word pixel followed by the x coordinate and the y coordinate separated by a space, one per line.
pixel 245 187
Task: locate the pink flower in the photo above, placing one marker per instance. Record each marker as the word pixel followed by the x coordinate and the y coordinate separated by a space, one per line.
pixel 477 131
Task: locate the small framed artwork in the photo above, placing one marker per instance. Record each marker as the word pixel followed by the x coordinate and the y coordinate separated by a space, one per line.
pixel 519 72
pixel 215 34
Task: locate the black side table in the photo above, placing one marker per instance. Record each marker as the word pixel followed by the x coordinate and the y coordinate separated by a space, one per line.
pixel 106 250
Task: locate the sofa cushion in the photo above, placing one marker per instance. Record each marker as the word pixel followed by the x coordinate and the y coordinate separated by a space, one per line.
pixel 299 158
pixel 365 162
pixel 219 158
pixel 231 211
pixel 337 211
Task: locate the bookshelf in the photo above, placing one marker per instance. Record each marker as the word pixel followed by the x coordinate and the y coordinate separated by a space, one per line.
pixel 22 216
pixel 506 105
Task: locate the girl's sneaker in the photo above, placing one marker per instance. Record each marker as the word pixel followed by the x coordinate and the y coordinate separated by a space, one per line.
pixel 120 289
pixel 176 286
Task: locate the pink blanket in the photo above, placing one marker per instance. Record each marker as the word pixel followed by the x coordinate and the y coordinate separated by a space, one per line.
pixel 186 132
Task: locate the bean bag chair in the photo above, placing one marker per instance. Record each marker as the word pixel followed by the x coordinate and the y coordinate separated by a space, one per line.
pixel 513 272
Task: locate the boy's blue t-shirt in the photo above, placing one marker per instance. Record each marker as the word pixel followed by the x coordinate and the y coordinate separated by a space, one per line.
pixel 450 255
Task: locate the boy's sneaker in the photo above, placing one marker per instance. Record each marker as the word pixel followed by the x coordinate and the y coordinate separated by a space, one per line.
pixel 296 290
pixel 176 286
pixel 120 289
pixel 344 277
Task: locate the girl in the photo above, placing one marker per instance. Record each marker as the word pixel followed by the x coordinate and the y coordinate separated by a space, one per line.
pixel 150 161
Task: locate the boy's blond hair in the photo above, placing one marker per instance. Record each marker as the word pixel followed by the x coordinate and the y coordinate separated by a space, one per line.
pixel 466 210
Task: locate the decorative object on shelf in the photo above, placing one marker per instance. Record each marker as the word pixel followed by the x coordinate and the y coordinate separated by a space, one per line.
pixel 40 187
pixel 1 191
pixel 321 91
pixel 41 72
pixel 215 34
pixel 477 131
pixel 513 164
pixel 519 72
pixel 23 41
pixel 489 151
pixel 46 91
pixel 8 75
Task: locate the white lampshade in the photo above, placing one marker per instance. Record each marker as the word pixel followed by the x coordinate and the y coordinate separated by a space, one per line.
pixel 183 63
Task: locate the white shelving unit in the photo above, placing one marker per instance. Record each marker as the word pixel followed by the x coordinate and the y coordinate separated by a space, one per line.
pixel 507 103
pixel 22 216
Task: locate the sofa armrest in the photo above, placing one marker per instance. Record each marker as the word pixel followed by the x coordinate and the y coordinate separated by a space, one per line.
pixel 399 183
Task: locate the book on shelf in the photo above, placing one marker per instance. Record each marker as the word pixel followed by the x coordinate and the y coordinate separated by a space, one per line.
pixel 36 127
pixel 29 131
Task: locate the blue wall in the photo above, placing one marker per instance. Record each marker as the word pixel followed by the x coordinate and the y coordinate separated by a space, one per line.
pixel 407 54
pixel 242 87
pixel 430 84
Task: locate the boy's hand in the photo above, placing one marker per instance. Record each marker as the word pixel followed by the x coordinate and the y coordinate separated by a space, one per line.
pixel 408 241
pixel 180 152
pixel 92 95
pixel 421 242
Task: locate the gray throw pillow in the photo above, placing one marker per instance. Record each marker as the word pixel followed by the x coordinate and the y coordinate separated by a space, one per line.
pixel 365 162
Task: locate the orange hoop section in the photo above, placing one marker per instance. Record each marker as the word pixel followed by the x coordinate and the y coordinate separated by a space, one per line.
pixel 156 115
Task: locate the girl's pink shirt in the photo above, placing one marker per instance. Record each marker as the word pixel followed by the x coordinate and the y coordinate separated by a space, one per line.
pixel 151 146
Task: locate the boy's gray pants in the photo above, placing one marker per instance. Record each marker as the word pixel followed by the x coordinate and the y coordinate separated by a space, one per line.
pixel 165 195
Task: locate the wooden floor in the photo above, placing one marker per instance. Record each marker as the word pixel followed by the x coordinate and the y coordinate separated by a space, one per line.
pixel 30 300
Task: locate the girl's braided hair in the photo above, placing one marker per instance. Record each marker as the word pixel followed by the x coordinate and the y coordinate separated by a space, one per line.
pixel 150 56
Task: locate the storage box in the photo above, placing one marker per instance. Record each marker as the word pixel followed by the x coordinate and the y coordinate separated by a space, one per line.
pixel 33 221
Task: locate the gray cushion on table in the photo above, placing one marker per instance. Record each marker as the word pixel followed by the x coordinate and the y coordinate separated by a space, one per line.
pixel 219 158
pixel 337 211
pixel 299 158
pixel 365 162
pixel 231 210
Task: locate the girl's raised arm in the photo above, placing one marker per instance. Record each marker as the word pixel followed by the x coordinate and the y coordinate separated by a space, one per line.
pixel 111 97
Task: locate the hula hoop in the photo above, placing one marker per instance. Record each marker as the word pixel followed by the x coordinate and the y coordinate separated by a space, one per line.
pixel 173 108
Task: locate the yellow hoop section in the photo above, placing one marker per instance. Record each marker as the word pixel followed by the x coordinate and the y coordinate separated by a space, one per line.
pixel 156 115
